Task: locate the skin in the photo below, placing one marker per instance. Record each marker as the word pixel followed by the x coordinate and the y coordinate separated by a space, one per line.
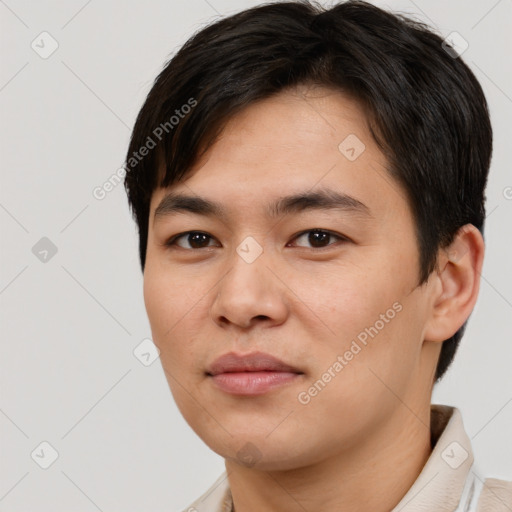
pixel 305 305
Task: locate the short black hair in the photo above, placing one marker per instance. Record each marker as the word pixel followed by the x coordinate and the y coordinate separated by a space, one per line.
pixel 425 108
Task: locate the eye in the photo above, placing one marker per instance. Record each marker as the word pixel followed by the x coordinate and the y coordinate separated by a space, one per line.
pixel 319 238
pixel 195 239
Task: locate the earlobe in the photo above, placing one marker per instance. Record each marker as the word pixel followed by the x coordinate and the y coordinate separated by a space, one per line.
pixel 457 284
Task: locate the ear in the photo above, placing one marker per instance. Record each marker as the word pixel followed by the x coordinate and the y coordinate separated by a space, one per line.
pixel 457 282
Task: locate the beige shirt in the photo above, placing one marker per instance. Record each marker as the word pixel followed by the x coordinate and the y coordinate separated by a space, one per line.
pixel 449 481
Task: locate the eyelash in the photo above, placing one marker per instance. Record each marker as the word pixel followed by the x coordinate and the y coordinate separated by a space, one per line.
pixel 172 241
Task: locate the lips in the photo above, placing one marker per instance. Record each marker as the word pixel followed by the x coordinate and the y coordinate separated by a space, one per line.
pixel 251 374
pixel 254 362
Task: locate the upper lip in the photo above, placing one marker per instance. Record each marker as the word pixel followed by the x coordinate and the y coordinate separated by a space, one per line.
pixel 256 361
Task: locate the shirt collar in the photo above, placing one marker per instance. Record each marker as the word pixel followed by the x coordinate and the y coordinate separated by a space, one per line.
pixel 440 484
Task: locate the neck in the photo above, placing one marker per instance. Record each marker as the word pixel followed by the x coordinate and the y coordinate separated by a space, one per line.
pixel 373 475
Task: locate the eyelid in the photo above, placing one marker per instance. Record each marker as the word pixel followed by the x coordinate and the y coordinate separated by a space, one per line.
pixel 340 237
pixel 171 241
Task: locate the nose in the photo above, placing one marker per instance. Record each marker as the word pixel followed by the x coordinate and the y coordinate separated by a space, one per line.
pixel 249 293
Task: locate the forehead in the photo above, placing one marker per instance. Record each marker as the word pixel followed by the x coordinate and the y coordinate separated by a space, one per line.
pixel 295 141
pixel 296 124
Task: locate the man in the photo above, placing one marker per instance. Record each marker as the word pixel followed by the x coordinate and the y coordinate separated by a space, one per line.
pixel 309 190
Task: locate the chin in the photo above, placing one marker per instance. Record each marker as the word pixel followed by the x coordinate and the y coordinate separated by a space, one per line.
pixel 260 453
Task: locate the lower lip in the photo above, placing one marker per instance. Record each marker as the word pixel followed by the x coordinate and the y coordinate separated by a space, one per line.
pixel 252 383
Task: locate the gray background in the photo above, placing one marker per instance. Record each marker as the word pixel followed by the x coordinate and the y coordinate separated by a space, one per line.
pixel 70 324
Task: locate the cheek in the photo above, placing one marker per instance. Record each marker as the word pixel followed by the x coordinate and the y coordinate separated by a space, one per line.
pixel 174 320
pixel 168 296
pixel 158 292
pixel 173 306
pixel 347 298
pixel 372 317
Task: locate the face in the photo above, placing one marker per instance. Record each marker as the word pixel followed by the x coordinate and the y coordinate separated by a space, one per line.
pixel 326 283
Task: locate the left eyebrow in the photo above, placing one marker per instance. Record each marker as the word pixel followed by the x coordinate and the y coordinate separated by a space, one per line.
pixel 324 199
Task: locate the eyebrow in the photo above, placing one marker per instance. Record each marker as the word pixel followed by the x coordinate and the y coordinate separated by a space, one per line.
pixel 324 199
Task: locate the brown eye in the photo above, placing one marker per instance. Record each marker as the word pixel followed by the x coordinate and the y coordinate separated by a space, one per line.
pixel 319 238
pixel 194 239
